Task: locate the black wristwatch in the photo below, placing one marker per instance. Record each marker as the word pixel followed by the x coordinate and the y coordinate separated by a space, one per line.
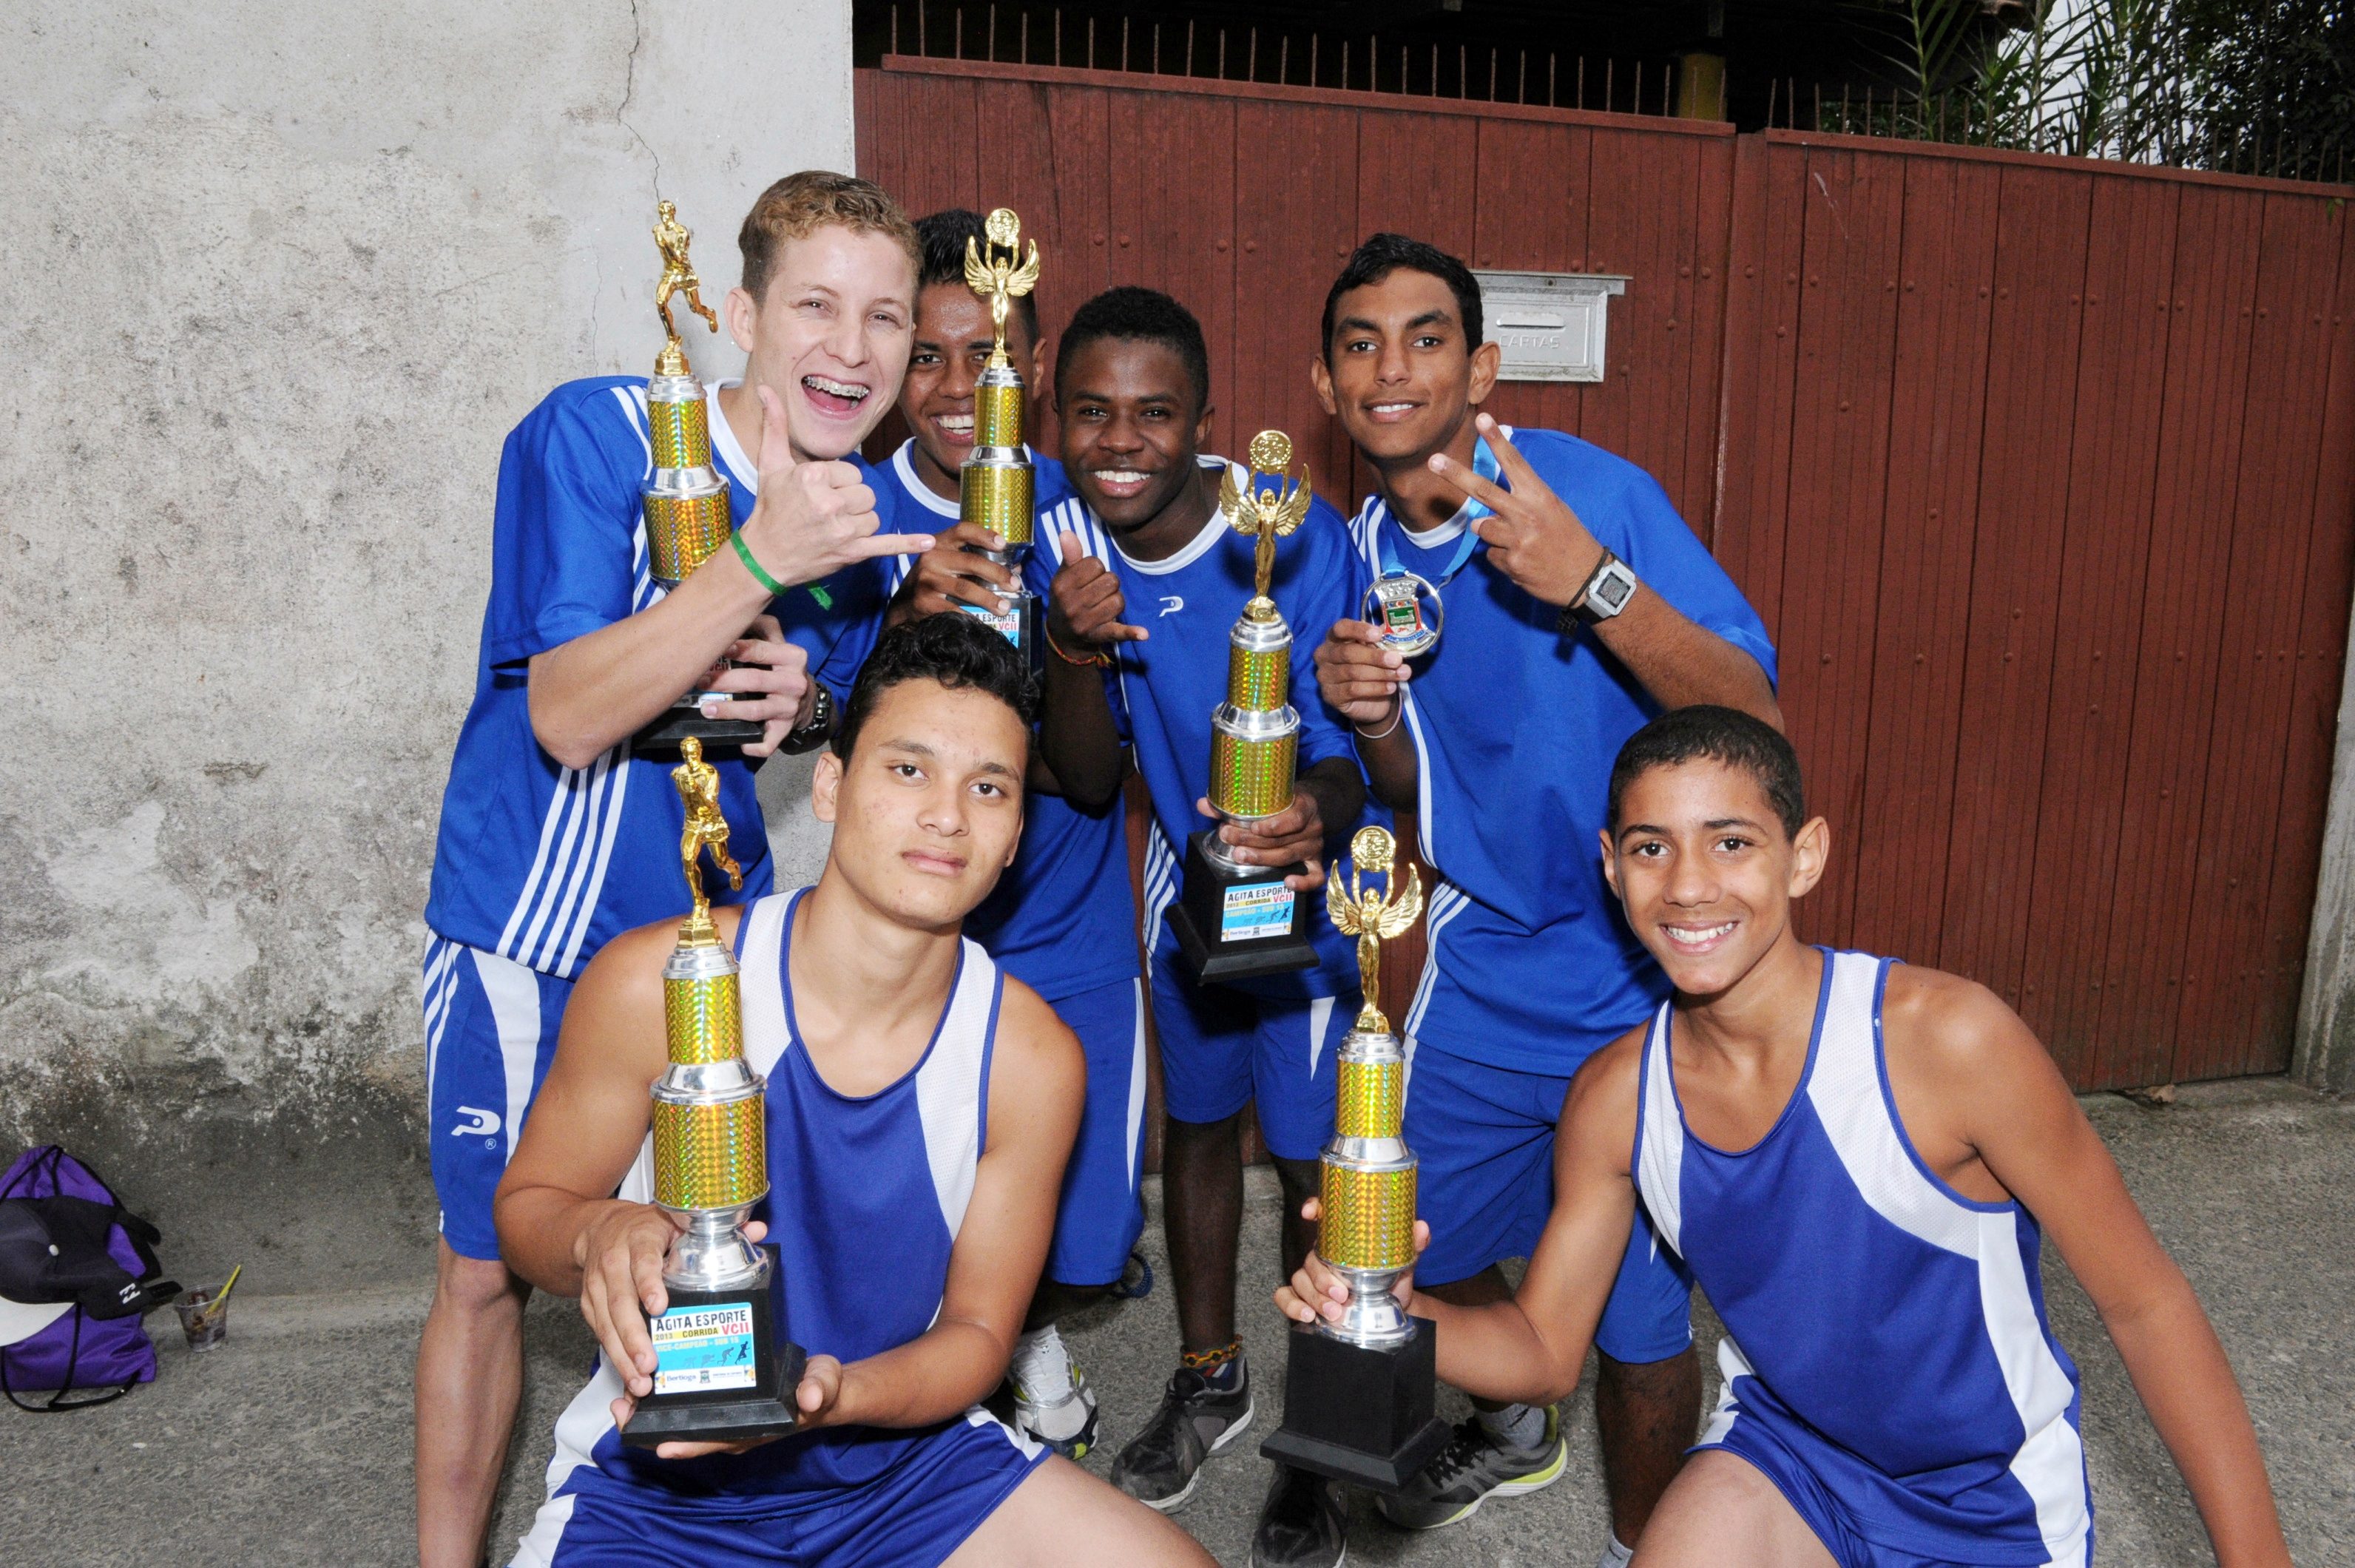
pixel 809 737
pixel 1606 593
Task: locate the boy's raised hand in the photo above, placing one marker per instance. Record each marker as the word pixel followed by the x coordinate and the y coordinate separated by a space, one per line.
pixel 1084 602
pixel 812 519
pixel 1533 536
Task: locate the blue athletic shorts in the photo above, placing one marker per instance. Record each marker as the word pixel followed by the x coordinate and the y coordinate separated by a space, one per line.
pixel 913 1515
pixel 490 1034
pixel 1222 1048
pixel 1778 1449
pixel 1485 1136
pixel 1101 1213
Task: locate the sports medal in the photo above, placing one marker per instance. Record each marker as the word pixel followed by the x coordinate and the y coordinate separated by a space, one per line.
pixel 1404 611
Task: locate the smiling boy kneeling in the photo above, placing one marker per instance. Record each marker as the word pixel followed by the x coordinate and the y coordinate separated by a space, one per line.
pixel 1857 1158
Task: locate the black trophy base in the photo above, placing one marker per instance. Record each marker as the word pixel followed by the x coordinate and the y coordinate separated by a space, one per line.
pixel 1235 921
pixel 720 737
pixel 1359 1415
pixel 730 1410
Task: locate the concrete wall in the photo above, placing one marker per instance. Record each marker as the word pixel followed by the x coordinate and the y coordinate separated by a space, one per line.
pixel 274 282
pixel 2325 1054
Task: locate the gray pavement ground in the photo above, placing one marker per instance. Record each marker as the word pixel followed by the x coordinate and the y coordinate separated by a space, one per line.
pixel 290 1444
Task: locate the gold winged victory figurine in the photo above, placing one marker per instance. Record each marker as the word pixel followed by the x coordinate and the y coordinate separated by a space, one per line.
pixel 1269 513
pixel 671 237
pixel 1373 918
pixel 996 278
pixel 699 788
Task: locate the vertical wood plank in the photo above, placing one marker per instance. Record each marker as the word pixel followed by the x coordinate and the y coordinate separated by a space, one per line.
pixel 1532 188
pixel 2114 459
pixel 2145 975
pixel 1841 412
pixel 1177 234
pixel 2272 515
pixel 1930 529
pixel 2032 367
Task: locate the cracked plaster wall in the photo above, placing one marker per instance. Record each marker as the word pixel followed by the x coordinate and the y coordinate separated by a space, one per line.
pixel 273 285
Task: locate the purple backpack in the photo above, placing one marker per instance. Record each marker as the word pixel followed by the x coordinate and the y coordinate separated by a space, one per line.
pixel 78 1271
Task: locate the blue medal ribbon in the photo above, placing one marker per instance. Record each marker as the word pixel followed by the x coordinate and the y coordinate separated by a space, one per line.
pixel 1484 463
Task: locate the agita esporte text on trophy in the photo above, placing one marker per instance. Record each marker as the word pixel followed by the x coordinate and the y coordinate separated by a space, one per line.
pixel 726 1368
pixel 996 487
pixel 1234 920
pixel 1358 1394
pixel 685 500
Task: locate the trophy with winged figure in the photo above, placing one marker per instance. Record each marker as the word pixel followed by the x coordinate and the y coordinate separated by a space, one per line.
pixel 997 485
pixel 1237 921
pixel 1359 1393
pixel 725 1367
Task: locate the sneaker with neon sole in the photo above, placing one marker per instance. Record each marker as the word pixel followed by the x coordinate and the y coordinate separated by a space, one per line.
pixel 1472 1467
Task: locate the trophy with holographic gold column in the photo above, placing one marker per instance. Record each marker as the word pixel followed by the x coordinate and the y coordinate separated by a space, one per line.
pixel 685 500
pixel 726 1368
pixel 996 486
pixel 1234 920
pixel 1359 1393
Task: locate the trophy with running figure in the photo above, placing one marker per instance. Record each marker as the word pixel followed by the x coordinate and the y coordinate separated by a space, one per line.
pixel 685 500
pixel 996 486
pixel 1358 1394
pixel 725 1368
pixel 1235 921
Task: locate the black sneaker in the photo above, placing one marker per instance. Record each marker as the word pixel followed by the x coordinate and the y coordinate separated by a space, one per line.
pixel 1472 1467
pixel 1302 1524
pixel 1196 1419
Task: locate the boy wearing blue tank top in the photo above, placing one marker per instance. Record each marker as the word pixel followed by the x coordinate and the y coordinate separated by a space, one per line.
pixel 1858 1160
pixel 1063 919
pixel 919 1110
pixel 554 836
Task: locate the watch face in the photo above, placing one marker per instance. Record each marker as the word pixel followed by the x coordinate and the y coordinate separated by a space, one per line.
pixel 1612 590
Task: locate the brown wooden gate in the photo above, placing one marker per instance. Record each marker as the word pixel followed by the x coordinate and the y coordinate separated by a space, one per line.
pixel 2042 471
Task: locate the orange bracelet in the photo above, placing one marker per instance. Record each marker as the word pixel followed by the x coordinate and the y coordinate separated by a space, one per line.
pixel 1095 661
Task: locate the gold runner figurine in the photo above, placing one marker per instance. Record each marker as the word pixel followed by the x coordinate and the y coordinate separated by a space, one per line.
pixel 671 236
pixel 698 787
pixel 1373 918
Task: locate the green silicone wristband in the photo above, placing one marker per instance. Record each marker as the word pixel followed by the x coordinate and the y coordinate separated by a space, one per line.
pixel 744 554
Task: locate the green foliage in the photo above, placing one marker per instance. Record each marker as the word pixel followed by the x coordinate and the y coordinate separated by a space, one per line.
pixel 2201 83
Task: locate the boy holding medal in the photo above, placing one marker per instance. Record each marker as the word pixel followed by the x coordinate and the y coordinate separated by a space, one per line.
pixel 1533 602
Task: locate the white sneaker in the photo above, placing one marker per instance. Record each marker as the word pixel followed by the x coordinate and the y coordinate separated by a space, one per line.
pixel 1052 1401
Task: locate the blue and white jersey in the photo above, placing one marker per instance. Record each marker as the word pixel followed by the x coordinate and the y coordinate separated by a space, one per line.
pixel 543 863
pixel 1060 920
pixel 1515 727
pixel 1884 1331
pixel 866 1195
pixel 1167 686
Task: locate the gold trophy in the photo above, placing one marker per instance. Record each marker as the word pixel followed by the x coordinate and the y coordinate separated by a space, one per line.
pixel 686 501
pixel 1236 921
pixel 996 487
pixel 725 1368
pixel 1358 1394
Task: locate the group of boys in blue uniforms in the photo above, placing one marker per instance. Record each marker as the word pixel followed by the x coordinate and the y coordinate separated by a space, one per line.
pixel 1501 742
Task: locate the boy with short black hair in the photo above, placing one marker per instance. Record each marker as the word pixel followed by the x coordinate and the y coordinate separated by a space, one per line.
pixel 1063 919
pixel 1576 604
pixel 1857 1159
pixel 918 1110
pixel 1137 627
pixel 552 829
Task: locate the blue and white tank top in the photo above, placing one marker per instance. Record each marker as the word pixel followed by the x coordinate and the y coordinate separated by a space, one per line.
pixel 866 1195
pixel 1883 1328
